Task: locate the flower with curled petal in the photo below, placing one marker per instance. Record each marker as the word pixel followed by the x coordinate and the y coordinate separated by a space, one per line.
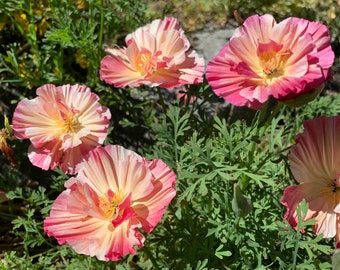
pixel 116 193
pixel 263 58
pixel 63 123
pixel 157 54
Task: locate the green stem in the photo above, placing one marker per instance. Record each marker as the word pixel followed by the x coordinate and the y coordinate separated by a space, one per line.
pixel 151 257
pixel 257 123
pixel 89 262
pixel 296 249
pixel 274 113
pixel 101 29
pixel 270 156
pixel 187 101
pixel 161 99
pixel 60 64
pixel 261 121
pixel 263 112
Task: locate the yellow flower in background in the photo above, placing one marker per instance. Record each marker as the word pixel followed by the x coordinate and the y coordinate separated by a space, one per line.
pixel 42 26
pixel 81 4
pixel 81 59
pixel 21 19
pixel 36 15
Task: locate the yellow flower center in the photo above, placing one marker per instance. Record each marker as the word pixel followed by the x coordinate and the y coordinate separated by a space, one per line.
pixel 109 205
pixel 270 64
pixel 71 123
pixel 273 65
pixel 272 61
pixel 146 62
pixel 67 119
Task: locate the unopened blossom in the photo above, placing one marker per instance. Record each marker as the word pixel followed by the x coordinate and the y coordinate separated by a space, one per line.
pixel 6 149
pixel 264 58
pixel 63 123
pixel 6 133
pixel 315 164
pixel 115 194
pixel 156 54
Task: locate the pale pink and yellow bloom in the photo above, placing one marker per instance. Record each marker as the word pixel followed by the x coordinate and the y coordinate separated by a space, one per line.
pixel 264 58
pixel 156 54
pixel 315 164
pixel 115 194
pixel 63 123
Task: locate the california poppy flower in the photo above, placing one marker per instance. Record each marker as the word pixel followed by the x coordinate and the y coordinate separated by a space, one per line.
pixel 63 123
pixel 116 193
pixel 156 54
pixel 264 58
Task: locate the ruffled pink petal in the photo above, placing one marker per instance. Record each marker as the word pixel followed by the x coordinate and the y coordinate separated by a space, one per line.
pixel 292 197
pixel 337 236
pixel 47 156
pixel 33 123
pixel 116 168
pixel 337 209
pixel 325 217
pixel 326 224
pixel 151 208
pixel 257 27
pixel 73 156
pixel 126 75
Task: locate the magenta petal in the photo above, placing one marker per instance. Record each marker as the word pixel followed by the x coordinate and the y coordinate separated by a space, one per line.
pixel 271 46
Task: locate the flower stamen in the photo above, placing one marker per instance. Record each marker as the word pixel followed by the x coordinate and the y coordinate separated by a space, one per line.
pixel 116 207
pixel 146 62
pixel 71 123
pixel 109 204
pixel 67 119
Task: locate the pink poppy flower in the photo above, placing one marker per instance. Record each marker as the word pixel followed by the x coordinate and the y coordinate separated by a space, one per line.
pixel 315 164
pixel 63 123
pixel 265 58
pixel 157 54
pixel 116 193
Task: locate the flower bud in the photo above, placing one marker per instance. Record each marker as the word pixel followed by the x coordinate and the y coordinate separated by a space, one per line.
pixel 336 257
pixel 8 127
pixel 240 204
pixel 238 17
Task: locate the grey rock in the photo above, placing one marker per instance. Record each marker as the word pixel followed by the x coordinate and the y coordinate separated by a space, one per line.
pixel 209 41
